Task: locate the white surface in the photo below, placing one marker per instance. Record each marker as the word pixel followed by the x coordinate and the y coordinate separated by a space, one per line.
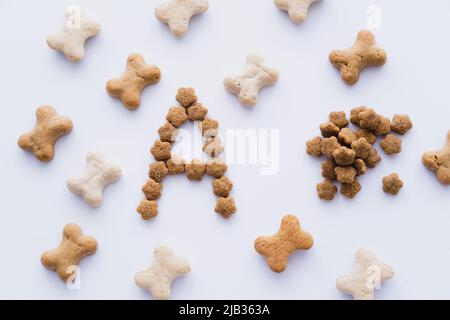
pixel 410 231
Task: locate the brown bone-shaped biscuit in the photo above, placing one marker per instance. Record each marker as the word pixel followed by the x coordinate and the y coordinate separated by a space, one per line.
pixel 73 247
pixel 439 162
pixel 49 127
pixel 137 76
pixel 362 54
pixel 278 247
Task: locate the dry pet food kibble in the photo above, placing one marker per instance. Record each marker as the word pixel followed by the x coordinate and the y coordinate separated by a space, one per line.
pixel 391 144
pixel 195 170
pixel 326 190
pixel 161 150
pixel 137 76
pixel 277 248
pixel 152 189
pixel 49 127
pixel 362 54
pixel 158 170
pixel 439 162
pixel 297 9
pixel 77 30
pixel 401 124
pixel 73 247
pixel 256 75
pixel 97 175
pixel 178 13
pixel 367 275
pixel 148 209
pixel 159 276
pixel 225 207
pixel 392 184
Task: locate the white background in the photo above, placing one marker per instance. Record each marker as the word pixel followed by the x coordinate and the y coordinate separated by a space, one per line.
pixel 409 231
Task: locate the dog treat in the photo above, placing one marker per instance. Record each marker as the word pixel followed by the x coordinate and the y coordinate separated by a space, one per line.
pixel 347 136
pixel 222 186
pixel 297 9
pixel 314 147
pixel 344 156
pixel 225 207
pixel 328 145
pixel 167 133
pixel 256 75
pixel 196 112
pixel 195 170
pixel 391 144
pixel 186 97
pixel 77 30
pixel 161 150
pixel 329 129
pixel 152 189
pixel 176 164
pixel 360 167
pixel 277 248
pixel 213 147
pixel 216 168
pixel 128 87
pixel 49 127
pixel 328 167
pixel 362 148
pixel 148 209
pixel 367 275
pixel 339 118
pixel 73 247
pixel 177 13
pixel 326 190
pixel 392 184
pixel 97 175
pixel 362 54
pixel 350 190
pixel 345 174
pixel 401 124
pixel 158 170
pixel 158 278
pixel 439 162
pixel 177 116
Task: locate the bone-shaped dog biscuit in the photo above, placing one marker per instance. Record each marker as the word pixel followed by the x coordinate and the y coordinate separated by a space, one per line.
pixel 137 76
pixel 297 9
pixel 362 54
pixel 97 175
pixel 165 269
pixel 178 13
pixel 73 247
pixel 278 247
pixel 256 76
pixel 77 30
pixel 367 275
pixel 439 162
pixel 49 127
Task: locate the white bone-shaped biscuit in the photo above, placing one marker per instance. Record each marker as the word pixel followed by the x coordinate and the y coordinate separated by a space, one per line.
pixel 178 13
pixel 165 269
pixel 97 175
pixel 256 75
pixel 77 30
pixel 297 9
pixel 366 276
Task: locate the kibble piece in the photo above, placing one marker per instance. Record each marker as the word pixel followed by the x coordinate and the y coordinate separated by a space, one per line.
pixel 225 207
pixel 383 127
pixel 329 129
pixel 362 148
pixel 213 147
pixel 360 167
pixel 158 170
pixel 392 184
pixel 209 127
pixel 186 97
pixel 339 118
pixel 347 136
pixel 167 133
pixel 195 170
pixel 148 209
pixel 152 189
pixel 176 116
pixel 369 119
pixel 197 112
pixel 344 156
pixel 161 150
pixel 391 144
pixel 439 162
pixel 354 114
pixel 328 146
pixel 364 133
pixel 222 186
pixel 326 190
pixel 328 169
pixel 216 167
pixel 345 174
pixel 401 124
pixel 373 159
pixel 176 164
pixel 313 147
pixel 350 190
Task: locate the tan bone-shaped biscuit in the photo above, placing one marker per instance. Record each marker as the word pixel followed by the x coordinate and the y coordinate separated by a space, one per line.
pixel 362 54
pixel 97 175
pixel 297 9
pixel 138 75
pixel 256 75
pixel 439 162
pixel 178 13
pixel 49 127
pixel 77 30
pixel 73 247
pixel 367 275
pixel 277 248
pixel 159 276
